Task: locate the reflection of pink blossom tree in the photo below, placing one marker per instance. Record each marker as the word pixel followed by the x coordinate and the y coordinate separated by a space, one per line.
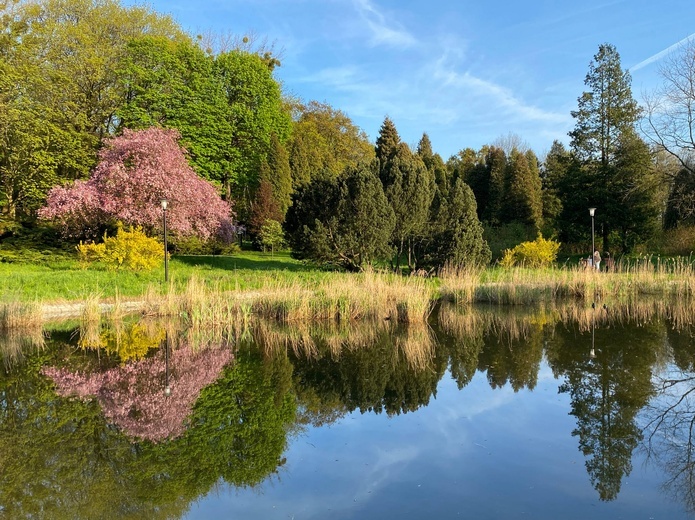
pixel 132 396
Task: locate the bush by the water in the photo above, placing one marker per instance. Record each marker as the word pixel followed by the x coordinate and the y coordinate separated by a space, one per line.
pixel 539 253
pixel 129 249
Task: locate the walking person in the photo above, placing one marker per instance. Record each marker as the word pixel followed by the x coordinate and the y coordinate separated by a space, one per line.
pixel 597 260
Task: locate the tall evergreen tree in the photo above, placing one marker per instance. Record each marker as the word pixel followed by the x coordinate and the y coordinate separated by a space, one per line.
pixel 409 187
pixel 345 221
pixel 496 163
pixel 522 195
pixel 433 162
pixel 387 142
pixel 552 174
pixel 458 237
pixel 605 112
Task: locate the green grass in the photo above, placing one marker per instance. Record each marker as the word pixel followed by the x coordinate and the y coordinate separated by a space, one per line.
pixel 61 278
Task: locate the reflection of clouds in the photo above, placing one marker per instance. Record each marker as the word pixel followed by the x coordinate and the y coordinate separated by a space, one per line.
pixel 363 461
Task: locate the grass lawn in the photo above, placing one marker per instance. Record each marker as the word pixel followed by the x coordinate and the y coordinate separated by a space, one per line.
pixel 58 277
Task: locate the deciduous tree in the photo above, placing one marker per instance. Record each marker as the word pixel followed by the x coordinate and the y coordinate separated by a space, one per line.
pixel 137 170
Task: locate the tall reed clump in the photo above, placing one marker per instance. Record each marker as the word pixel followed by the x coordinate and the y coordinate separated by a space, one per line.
pixel 368 295
pixel 21 327
pixel 210 313
pixel 16 315
pixel 459 283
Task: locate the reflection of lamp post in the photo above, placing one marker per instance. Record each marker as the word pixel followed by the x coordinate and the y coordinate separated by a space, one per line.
pixel 165 203
pixel 592 354
pixel 167 388
pixel 593 247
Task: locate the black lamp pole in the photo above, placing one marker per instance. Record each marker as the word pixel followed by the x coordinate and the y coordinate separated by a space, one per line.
pixel 165 203
pixel 167 388
pixel 593 246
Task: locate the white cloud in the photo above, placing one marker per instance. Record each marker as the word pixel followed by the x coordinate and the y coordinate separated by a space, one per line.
pixel 382 32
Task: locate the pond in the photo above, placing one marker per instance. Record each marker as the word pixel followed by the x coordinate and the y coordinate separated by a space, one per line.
pixel 487 412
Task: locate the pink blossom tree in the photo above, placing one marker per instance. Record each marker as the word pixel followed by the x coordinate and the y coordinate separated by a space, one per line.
pixel 132 395
pixel 136 171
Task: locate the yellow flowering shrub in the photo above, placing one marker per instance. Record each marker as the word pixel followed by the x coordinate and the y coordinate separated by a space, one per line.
pixel 539 253
pixel 129 249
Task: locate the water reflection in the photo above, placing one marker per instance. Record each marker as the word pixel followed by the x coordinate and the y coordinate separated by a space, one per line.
pixel 94 421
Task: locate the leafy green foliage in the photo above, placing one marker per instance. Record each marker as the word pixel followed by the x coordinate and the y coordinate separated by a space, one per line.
pixel 271 236
pixel 129 249
pixel 60 89
pixel 324 142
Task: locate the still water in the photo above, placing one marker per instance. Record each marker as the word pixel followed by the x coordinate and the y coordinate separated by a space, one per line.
pixel 485 413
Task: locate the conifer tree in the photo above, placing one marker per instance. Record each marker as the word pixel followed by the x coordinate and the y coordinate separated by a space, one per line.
pixel 387 142
pixel 522 196
pixel 459 239
pixel 605 113
pixel 496 162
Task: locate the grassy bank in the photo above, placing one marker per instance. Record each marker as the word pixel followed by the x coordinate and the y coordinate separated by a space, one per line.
pixel 207 290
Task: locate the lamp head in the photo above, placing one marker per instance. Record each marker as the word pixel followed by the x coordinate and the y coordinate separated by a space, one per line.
pixel 592 211
pixel 164 203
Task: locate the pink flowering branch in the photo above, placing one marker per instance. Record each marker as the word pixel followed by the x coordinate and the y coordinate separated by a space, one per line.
pixel 135 171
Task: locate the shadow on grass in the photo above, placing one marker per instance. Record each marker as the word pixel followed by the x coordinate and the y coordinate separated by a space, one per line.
pixel 277 263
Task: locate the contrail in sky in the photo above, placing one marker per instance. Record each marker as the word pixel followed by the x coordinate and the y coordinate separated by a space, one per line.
pixel 661 54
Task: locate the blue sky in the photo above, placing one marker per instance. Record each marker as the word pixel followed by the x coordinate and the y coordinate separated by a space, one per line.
pixel 465 72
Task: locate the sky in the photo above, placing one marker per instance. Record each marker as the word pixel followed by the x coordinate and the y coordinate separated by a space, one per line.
pixel 466 72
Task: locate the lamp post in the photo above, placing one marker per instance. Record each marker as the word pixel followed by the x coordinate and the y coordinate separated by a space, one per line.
pixel 593 246
pixel 167 388
pixel 165 203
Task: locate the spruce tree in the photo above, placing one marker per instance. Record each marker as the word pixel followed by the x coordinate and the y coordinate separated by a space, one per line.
pixel 522 196
pixel 387 142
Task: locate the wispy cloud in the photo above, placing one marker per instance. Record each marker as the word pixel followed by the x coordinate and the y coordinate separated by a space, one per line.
pixel 497 96
pixel 383 32
pixel 659 55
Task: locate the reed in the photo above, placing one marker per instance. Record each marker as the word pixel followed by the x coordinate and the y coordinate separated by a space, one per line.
pixel 16 315
pixel 417 345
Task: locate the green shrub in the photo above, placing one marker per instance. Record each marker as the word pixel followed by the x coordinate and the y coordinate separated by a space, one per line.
pixel 677 241
pixel 506 236
pixel 193 245
pixel 539 253
pixel 129 249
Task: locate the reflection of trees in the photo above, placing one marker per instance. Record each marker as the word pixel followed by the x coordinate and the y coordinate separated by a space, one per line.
pixel 670 419
pixel 606 394
pixel 513 361
pixel 132 395
pixel 60 459
pixel 504 342
pixel 388 374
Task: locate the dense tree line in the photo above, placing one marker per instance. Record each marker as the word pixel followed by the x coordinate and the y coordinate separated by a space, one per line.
pixel 76 73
